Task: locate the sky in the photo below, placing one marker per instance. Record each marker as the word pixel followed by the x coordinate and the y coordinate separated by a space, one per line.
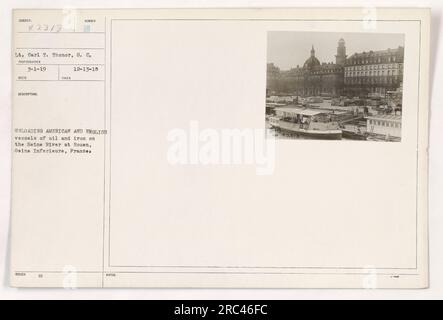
pixel 287 49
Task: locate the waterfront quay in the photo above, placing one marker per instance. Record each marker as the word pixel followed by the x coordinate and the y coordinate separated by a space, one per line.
pixel 370 119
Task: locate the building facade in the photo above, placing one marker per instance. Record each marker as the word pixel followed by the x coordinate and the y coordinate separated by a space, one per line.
pixel 376 72
pixel 386 125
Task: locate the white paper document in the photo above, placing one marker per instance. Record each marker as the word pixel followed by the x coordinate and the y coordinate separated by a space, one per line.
pixel 238 148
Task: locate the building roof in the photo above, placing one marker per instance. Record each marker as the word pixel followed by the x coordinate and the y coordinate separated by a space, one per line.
pixel 378 52
pixel 311 62
pixel 302 111
pixel 385 117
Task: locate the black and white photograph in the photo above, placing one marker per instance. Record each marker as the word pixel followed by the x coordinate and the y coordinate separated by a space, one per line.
pixel 334 86
pixel 191 154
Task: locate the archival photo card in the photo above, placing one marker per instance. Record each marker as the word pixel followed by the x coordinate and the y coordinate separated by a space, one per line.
pixel 334 86
pixel 143 148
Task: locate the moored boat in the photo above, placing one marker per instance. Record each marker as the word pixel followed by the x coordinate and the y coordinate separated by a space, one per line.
pixel 354 132
pixel 352 135
pixel 306 122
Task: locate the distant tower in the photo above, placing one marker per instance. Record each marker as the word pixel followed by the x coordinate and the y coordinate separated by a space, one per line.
pixel 341 52
pixel 312 51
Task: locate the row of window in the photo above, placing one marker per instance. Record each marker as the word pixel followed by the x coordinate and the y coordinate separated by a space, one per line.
pixel 385 123
pixel 384 80
pixel 372 73
pixel 326 71
pixel 371 60
pixel 374 67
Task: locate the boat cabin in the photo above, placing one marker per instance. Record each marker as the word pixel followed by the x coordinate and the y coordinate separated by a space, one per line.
pixel 303 115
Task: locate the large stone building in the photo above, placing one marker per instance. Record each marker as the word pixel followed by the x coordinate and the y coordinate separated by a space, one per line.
pixel 374 72
pixel 357 75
